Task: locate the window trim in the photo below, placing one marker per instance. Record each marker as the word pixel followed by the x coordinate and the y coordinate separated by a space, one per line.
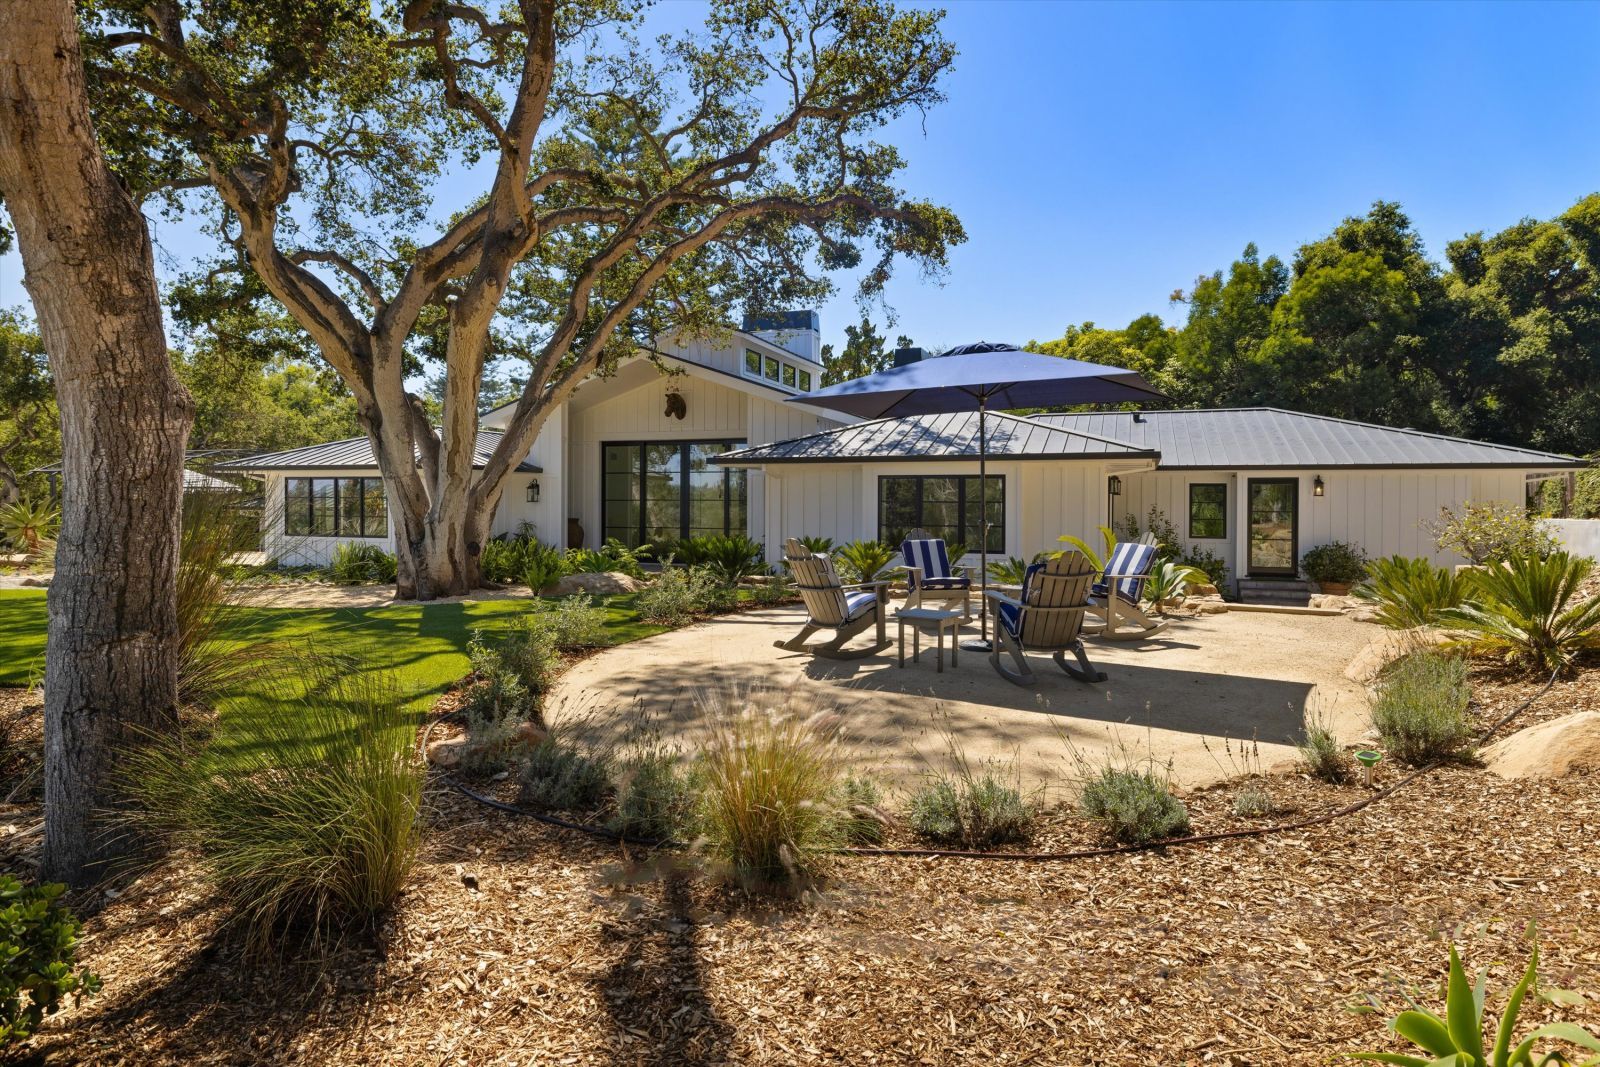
pixel 1223 536
pixel 311 506
pixel 684 444
pixel 961 505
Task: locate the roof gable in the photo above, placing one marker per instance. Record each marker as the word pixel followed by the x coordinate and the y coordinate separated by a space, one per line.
pixel 1263 438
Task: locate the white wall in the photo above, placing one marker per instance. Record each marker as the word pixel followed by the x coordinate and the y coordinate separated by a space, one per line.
pixel 1386 512
pixel 1581 537
pixel 548 515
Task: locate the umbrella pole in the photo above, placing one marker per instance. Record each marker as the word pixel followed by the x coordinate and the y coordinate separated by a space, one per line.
pixel 982 644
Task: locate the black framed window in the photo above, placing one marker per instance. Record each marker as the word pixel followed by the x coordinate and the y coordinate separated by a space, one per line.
pixel 335 507
pixel 653 491
pixel 1208 510
pixel 944 505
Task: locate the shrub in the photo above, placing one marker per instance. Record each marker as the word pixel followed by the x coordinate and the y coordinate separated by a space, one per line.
pixel 675 597
pixel 574 622
pixel 1321 752
pixel 613 556
pixel 1168 543
pixel 30 525
pixel 38 950
pixel 1254 801
pixel 355 563
pixel 657 797
pixel 1107 536
pixel 558 777
pixel 542 566
pixel 1458 1037
pixel 731 559
pixel 504 558
pixel 863 561
pixel 1492 533
pixel 1208 563
pixel 1586 499
pixel 1336 561
pixel 1009 571
pixel 1409 593
pixel 774 591
pixel 769 781
pixel 311 824
pixel 525 648
pixel 974 810
pixel 1528 609
pixel 1420 707
pixel 1133 802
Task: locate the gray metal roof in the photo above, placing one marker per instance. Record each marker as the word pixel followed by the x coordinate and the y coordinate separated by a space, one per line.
pixel 936 437
pixel 1264 438
pixel 352 454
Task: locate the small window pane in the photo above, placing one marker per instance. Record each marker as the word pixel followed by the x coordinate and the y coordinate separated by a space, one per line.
pixel 788 375
pixel 772 368
pixel 1208 511
pixel 322 516
pixel 752 362
pixel 297 506
pixel 375 514
pixel 805 381
pixel 349 523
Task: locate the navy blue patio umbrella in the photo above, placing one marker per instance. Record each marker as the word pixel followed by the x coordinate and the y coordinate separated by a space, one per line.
pixel 977 377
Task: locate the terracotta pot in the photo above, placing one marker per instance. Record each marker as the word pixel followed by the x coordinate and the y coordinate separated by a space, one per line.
pixel 1334 588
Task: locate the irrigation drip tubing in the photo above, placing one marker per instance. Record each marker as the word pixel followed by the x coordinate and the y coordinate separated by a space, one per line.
pixel 1033 857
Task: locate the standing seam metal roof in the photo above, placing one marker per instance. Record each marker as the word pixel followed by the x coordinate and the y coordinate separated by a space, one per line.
pixel 929 437
pixel 1243 438
pixel 354 453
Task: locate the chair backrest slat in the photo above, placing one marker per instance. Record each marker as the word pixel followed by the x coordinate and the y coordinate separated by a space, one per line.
pixel 1050 594
pixel 1133 558
pixel 820 587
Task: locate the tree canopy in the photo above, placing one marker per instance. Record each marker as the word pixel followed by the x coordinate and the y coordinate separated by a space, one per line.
pixel 1501 342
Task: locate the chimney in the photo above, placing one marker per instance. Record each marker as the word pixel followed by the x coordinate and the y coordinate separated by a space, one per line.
pixel 905 356
pixel 799 332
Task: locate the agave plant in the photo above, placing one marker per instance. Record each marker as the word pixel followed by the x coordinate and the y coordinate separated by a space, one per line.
pixel 30 524
pixel 1409 593
pixel 1107 534
pixel 1457 1039
pixel 1169 582
pixel 1527 609
pixel 863 561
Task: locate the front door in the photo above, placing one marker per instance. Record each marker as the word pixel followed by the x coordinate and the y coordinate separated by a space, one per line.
pixel 1274 527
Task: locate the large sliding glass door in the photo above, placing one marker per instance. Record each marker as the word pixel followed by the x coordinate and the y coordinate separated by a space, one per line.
pixel 659 491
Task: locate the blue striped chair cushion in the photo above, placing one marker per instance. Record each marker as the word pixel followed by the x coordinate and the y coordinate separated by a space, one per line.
pixel 933 560
pixel 858 604
pixel 1010 614
pixel 1129 557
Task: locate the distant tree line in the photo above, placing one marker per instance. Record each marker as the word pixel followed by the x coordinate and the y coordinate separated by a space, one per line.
pixel 1500 343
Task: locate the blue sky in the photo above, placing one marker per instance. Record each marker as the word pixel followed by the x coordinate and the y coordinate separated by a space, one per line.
pixel 1102 155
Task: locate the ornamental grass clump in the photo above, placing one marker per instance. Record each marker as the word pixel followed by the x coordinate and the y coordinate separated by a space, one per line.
pixel 1419 707
pixel 305 812
pixel 1320 750
pixel 769 780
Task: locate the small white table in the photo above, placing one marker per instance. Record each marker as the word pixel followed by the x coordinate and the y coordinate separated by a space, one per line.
pixel 941 620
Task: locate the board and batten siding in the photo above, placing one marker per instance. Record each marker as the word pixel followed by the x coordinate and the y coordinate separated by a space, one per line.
pixel 1385 512
pixel 301 551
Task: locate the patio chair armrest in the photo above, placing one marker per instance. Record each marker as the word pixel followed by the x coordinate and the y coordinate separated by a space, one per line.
pixel 995 594
pixel 882 584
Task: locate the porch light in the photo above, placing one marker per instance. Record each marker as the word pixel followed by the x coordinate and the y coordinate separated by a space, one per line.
pixel 1317 487
pixel 533 492
pixel 1114 486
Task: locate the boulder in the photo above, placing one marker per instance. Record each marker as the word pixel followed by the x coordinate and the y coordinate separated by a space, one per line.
pixel 447 754
pixel 1554 749
pixel 598 584
pixel 1203 589
pixel 1212 607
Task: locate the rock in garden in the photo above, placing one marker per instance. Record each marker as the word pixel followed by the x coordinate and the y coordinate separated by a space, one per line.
pixel 1213 607
pixel 1554 749
pixel 446 754
pixel 1385 649
pixel 531 734
pixel 603 584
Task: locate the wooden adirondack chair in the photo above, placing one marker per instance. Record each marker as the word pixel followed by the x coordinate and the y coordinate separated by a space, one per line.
pixel 1047 617
pixel 930 574
pixel 1115 598
pixel 830 605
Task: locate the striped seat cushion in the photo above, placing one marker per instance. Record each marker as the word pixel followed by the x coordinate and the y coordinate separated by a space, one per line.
pixel 932 559
pixel 1010 614
pixel 1129 558
pixel 858 604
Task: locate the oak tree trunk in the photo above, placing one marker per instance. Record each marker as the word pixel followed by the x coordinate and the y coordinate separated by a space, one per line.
pixel 111 664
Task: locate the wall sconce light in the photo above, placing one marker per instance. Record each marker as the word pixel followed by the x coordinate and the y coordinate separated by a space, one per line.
pixel 533 492
pixel 1114 486
pixel 1317 487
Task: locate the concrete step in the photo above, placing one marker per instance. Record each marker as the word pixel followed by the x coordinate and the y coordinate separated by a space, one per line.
pixel 1287 592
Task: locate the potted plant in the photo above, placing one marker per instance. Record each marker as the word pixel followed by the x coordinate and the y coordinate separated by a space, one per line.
pixel 1335 566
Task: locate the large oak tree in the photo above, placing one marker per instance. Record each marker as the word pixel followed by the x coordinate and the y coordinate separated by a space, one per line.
pixel 111 668
pixel 626 187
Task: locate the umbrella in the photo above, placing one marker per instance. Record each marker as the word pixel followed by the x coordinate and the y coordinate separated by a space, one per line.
pixel 977 377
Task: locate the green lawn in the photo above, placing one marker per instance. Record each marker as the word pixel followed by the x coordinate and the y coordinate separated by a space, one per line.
pixel 425 644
